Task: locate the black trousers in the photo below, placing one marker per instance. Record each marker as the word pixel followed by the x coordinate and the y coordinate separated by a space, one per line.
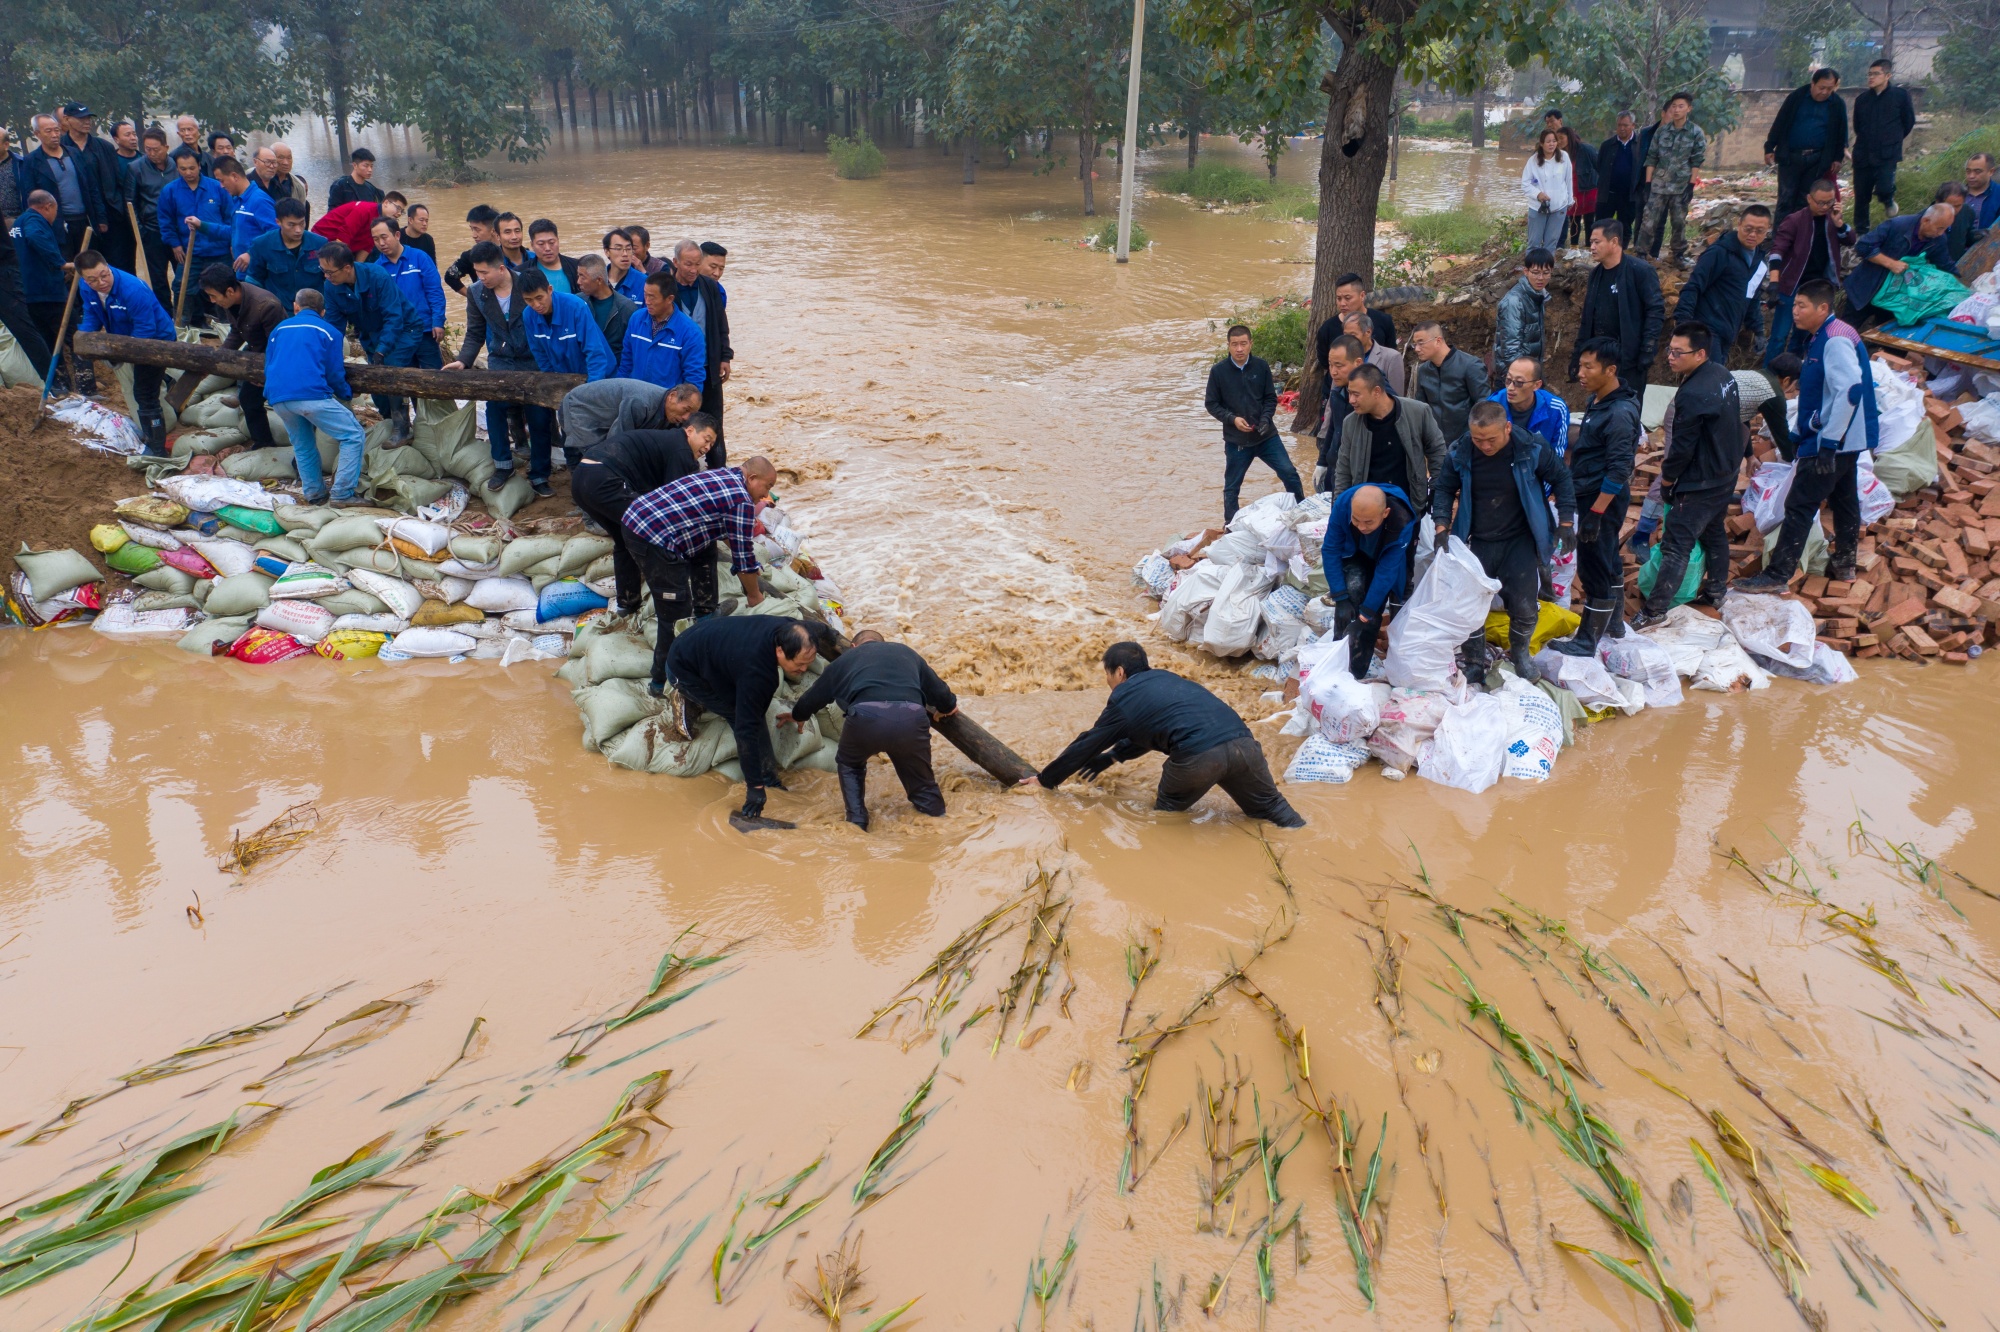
pixel 1625 212
pixel 1796 173
pixel 1357 571
pixel 146 381
pixel 1873 181
pixel 1694 519
pixel 604 495
pixel 903 732
pixel 159 262
pixel 20 320
pixel 1600 566
pixel 1832 479
pixel 1237 767
pixel 1518 565
pixel 681 589
pixel 256 419
pixel 118 244
pixel 711 402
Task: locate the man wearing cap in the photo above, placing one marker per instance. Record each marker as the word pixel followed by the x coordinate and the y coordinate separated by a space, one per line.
pixel 114 233
pixel 358 185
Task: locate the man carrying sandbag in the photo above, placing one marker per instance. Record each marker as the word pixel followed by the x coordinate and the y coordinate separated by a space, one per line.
pixel 253 313
pixel 305 382
pixel 887 696
pixel 122 305
pixel 625 466
pixel 589 412
pixel 1206 743
pixel 1368 554
pixel 672 533
pixel 731 667
pixel 1492 495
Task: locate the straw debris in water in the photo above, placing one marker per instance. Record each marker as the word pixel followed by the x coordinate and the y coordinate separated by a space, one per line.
pixel 280 837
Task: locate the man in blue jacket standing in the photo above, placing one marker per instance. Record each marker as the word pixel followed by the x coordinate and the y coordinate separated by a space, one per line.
pixel 390 331
pixel 662 345
pixel 417 277
pixel 121 304
pixel 562 336
pixel 253 212
pixel 195 224
pixel 305 383
pixel 1532 406
pixel 1493 494
pixel 44 273
pixel 496 319
pixel 286 261
pixel 1837 423
pixel 1368 555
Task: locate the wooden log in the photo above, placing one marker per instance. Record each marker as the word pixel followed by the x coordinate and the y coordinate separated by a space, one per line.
pixel 528 386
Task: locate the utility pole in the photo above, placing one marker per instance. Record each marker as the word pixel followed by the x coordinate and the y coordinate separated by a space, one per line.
pixel 1128 152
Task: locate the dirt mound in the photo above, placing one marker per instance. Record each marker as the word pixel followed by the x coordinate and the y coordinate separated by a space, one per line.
pixel 52 488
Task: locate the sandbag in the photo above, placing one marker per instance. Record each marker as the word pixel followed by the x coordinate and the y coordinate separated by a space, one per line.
pixel 583 550
pixel 400 598
pixel 1643 659
pixel 1534 731
pixel 54 572
pixel 1447 607
pixel 309 581
pixel 262 465
pixel 16 370
pixel 227 558
pixel 355 602
pixel 1342 707
pixel 1551 622
pixel 1408 721
pixel 350 644
pixel 500 595
pixel 510 499
pixel 301 619
pixel 263 647
pixel 609 709
pixel 132 558
pixel 1727 669
pixel 152 511
pixel 259 521
pixel 106 537
pixel 238 594
pixel 1470 745
pixel 429 642
pixel 477 552
pixel 287 548
pixel 148 536
pixel 439 430
pixel 428 539
pixel 1185 608
pixel 436 613
pixel 208 494
pixel 309 518
pixel 1592 685
pixel 380 623
pixel 1697 569
pixel 166 578
pixel 1773 627
pixel 1231 626
pixel 348 532
pixel 188 561
pixel 1319 759
pixel 201 443
pixel 452 590
pixel 566 598
pixel 523 554
pixel 1912 462
pixel 1828 667
pixel 617 657
pixel 213 636
pixel 126 622
pixel 653 745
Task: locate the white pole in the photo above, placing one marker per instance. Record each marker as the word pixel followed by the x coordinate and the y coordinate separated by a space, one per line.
pixel 1128 151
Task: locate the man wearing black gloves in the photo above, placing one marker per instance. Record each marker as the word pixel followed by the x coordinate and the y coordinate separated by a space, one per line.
pixel 1205 742
pixel 731 667
pixel 887 696
pixel 1498 477
pixel 1368 553
pixel 1623 303
pixel 1600 464
pixel 1698 474
pixel 625 466
pixel 1722 292
pixel 1242 395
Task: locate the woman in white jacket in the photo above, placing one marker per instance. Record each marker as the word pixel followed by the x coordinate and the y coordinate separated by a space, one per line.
pixel 1545 180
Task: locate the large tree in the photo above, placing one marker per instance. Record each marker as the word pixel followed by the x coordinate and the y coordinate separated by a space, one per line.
pixel 1631 55
pixel 459 71
pixel 1440 40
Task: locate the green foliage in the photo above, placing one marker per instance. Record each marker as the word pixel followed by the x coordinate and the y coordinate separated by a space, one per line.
pixel 854 159
pixel 1918 178
pixel 1965 76
pixel 1106 237
pixel 1280 332
pixel 1430 237
pixel 1627 55
pixel 1219 183
pixel 458 71
pixel 1459 126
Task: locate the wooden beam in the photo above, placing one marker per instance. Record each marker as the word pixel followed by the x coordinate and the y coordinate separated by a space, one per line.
pixel 528 386
pixel 1910 348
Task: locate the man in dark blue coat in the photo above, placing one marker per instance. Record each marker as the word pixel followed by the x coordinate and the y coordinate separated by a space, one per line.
pixel 1721 293
pixel 1368 554
pixel 1888 249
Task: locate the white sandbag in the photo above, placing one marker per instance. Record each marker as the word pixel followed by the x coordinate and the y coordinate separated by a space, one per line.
pixel 583 549
pixel 1409 718
pixel 617 656
pixel 1771 626
pixel 1344 709
pixel 1764 497
pixel 430 538
pixel 374 624
pixel 1186 607
pixel 452 590
pixel 127 624
pixel 432 642
pixel 1587 678
pixel 1154 574
pixel 1727 669
pixel 206 494
pixel 1876 500
pixel 528 622
pixel 1828 667
pixel 1447 608
pixel 226 557
pixel 1264 519
pixel 401 599
pixel 1470 746
pixel 1534 731
pixel 310 581
pixel 1231 626
pixel 1235 548
pixel 1648 662
pixel 140 534
pixel 1322 760
pixel 472 573
pixel 1686 635
pixel 497 596
pixel 303 620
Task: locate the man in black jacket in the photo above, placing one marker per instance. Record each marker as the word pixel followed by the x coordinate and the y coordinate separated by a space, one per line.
pixel 1883 117
pixel 481 221
pixel 253 313
pixel 1721 294
pixel 1602 448
pixel 114 235
pixel 701 299
pixel 1808 138
pixel 1206 743
pixel 887 696
pixel 1242 395
pixel 358 185
pixel 730 665
pixel 1622 302
pixel 71 182
pixel 622 467
pixel 1621 170
pixel 1698 474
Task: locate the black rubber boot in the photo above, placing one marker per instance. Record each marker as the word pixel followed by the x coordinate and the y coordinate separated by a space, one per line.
pixel 1583 643
pixel 1524 663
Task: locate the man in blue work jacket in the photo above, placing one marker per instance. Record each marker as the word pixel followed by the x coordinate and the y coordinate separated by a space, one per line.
pixel 195 223
pixel 121 304
pixel 285 262
pixel 305 382
pixel 390 331
pixel 662 345
pixel 562 335
pixel 254 213
pixel 417 276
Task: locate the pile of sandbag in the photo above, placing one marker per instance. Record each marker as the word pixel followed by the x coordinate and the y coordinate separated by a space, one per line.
pixel 1249 585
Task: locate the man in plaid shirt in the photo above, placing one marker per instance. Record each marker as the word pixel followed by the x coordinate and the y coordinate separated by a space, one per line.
pixel 673 533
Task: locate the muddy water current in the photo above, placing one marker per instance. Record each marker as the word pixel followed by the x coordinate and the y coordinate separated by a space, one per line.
pixel 1718 1002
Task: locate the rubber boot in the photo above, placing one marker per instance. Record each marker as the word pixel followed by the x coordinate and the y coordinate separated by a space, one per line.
pixel 399 418
pixel 154 431
pixel 1524 663
pixel 1583 643
pixel 1614 628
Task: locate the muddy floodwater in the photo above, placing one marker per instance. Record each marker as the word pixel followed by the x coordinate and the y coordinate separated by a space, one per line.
pixel 1705 1028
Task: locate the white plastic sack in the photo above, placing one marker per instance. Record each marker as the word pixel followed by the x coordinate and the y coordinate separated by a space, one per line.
pixel 206 494
pixel 1322 760
pixel 1828 667
pixel 141 535
pixel 1593 685
pixel 1448 607
pixel 427 537
pixel 401 599
pixel 1982 418
pixel 1470 745
pixel 1408 721
pixel 303 620
pixel 1774 627
pixel 228 558
pixel 1651 661
pixel 497 596
pixel 308 581
pixel 374 624
pixel 1154 574
pixel 1727 669
pixel 1263 520
pixel 1231 626
pixel 1764 497
pixel 1534 732
pixel 433 642
pixel 1235 548
pixel 1184 609
pixel 120 621
pixel 1686 635
pixel 1876 501
pixel 1343 707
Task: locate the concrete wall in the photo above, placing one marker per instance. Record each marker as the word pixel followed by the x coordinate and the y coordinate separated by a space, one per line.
pixel 1742 148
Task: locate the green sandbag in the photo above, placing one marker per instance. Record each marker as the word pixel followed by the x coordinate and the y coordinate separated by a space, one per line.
pixel 378 465
pixel 600 569
pixel 54 572
pixel 133 558
pixel 239 594
pixel 16 370
pixel 407 494
pixel 285 548
pixel 511 498
pixel 194 443
pixel 262 465
pixel 617 657
pixel 526 552
pixel 471 461
pixel 231 532
pixel 648 746
pixel 203 637
pixel 610 708
pixel 166 578
pixel 580 552
pixel 200 592
pixel 1920 292
pixel 439 430
pixel 260 521
pixel 213 413
pixel 410 570
pixel 380 559
pixel 310 518
pixel 347 533
pixel 354 602
pixel 573 674
pixel 1649 574
pixel 152 601
pixel 1911 464
pixel 476 551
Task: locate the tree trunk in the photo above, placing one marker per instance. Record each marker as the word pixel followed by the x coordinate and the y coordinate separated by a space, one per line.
pixel 592 90
pixel 645 116
pixel 1479 116
pixel 337 71
pixel 569 82
pixel 971 157
pixel 1086 148
pixel 1191 123
pixel 1352 159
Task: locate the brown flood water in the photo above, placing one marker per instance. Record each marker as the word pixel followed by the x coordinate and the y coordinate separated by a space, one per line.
pixel 477 864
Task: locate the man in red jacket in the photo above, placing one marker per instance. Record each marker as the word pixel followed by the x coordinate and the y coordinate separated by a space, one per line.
pixel 1805 248
pixel 352 224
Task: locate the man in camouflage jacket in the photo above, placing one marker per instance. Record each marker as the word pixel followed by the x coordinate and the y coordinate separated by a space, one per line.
pixel 1678 148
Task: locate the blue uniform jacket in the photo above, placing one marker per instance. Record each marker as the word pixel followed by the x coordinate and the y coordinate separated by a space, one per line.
pixel 255 215
pixel 1537 475
pixel 130 310
pixel 303 361
pixel 1549 418
pixel 417 277
pixel 286 272
pixel 632 286
pixel 568 341
pixel 41 251
pixel 210 203
pixel 387 325
pixel 1894 239
pixel 1389 550
pixel 676 354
